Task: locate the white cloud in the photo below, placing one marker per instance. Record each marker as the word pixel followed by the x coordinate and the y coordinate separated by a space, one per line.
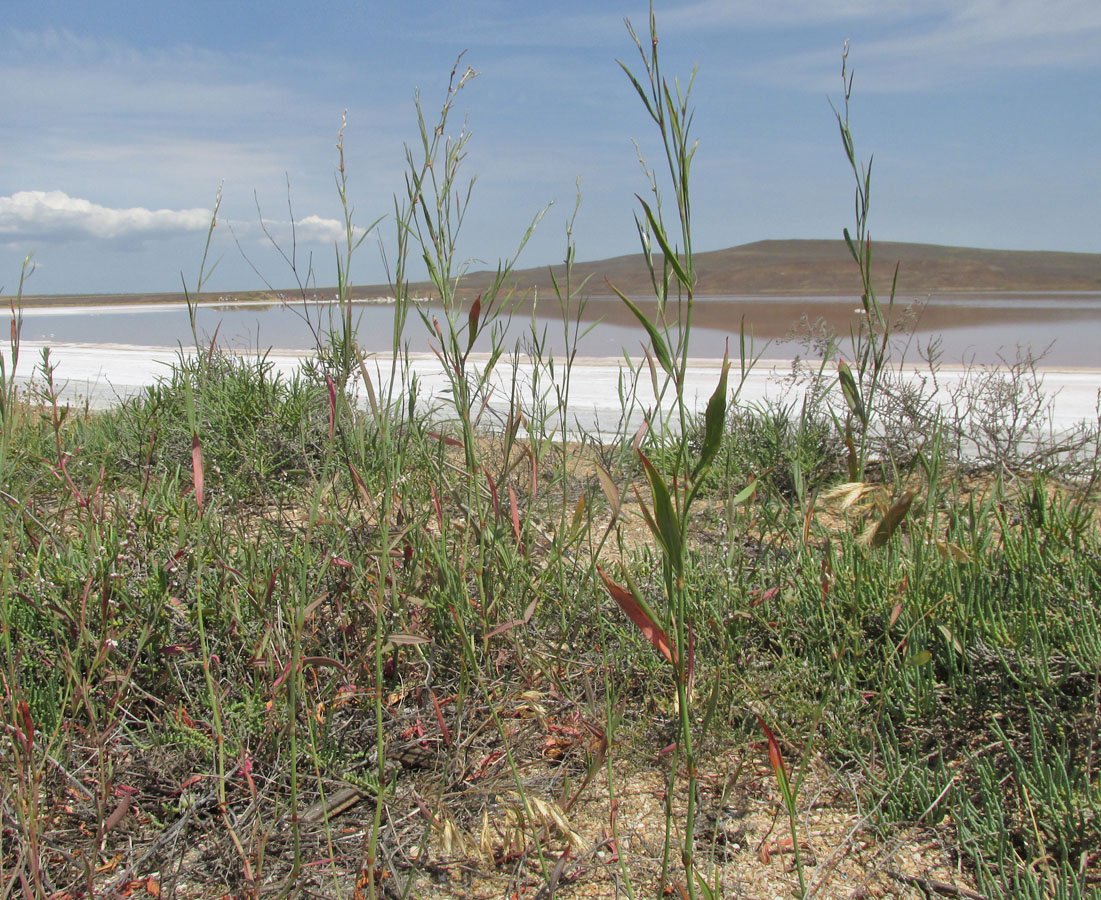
pixel 54 214
pixel 315 228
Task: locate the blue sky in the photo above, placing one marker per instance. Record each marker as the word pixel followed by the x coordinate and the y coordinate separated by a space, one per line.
pixel 119 121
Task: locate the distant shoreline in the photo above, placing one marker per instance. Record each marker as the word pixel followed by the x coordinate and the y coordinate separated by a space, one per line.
pixel 75 302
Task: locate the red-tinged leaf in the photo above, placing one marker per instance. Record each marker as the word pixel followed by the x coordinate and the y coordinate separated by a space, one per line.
pixel 332 405
pixel 270 588
pixel 282 677
pixel 197 469
pixel 472 323
pixel 439 355
pixel 493 493
pixel 637 614
pixel 514 507
pixel 775 759
pixel 808 519
pixel 896 611
pixel 760 596
pixel 340 561
pixel 325 662
pixel 503 628
pixel 534 473
pixel 152 887
pixel 449 441
pixel 28 724
pixel 117 814
pixel 439 719
pixel 640 433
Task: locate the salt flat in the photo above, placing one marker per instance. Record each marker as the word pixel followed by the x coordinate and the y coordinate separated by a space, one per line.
pixel 101 375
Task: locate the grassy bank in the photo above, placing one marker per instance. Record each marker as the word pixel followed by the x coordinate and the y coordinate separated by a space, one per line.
pixel 267 635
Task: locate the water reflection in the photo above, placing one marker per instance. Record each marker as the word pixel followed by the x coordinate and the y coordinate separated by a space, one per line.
pixel 982 328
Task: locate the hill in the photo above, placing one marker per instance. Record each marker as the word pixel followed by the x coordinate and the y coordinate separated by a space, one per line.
pixel 788 267
pixel 825 267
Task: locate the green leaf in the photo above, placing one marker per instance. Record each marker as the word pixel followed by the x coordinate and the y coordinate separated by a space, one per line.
pixel 714 423
pixel 432 273
pixel 660 349
pixel 670 256
pixel 664 513
pixel 744 494
pixel 891 520
pixel 850 447
pixel 704 887
pixel 651 523
pixel 919 659
pixel 849 240
pixel 638 87
pixel 851 391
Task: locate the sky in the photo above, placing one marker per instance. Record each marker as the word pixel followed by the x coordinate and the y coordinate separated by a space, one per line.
pixel 120 123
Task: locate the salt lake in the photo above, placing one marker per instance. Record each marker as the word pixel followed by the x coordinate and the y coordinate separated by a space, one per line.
pixel 106 352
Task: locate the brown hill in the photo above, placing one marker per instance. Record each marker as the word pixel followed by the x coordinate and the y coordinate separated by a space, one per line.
pixel 802 267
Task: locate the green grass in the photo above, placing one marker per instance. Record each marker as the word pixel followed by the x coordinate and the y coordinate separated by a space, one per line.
pixel 275 635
